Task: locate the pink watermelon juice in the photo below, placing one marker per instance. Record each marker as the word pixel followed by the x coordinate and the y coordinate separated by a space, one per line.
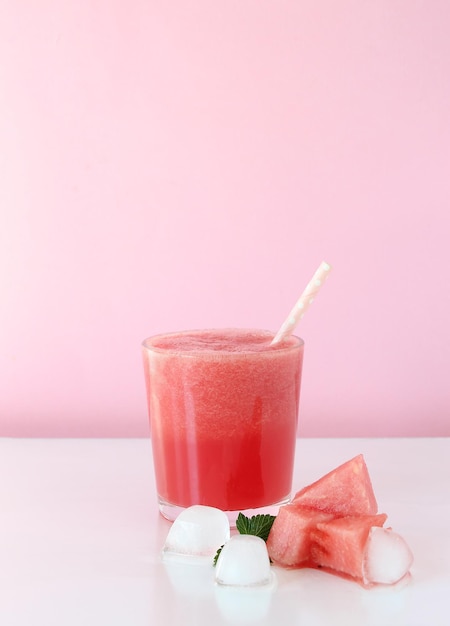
pixel 223 407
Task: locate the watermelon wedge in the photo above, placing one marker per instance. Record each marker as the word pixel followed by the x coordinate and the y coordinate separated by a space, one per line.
pixel 340 544
pixel 333 524
pixel 346 490
pixel 289 541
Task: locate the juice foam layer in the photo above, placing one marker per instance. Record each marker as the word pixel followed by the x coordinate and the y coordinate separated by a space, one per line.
pixel 223 341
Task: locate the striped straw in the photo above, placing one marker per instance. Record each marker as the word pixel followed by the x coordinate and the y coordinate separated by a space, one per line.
pixel 302 304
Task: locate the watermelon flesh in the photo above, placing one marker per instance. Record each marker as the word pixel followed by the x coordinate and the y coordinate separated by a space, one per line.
pixel 289 541
pixel 333 523
pixel 340 544
pixel 346 490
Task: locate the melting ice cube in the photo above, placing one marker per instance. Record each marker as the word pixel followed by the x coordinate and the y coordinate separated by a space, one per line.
pixel 388 557
pixel 197 531
pixel 244 561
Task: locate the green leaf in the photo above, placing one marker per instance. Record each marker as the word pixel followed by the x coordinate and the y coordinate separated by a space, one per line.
pixel 216 556
pixel 258 525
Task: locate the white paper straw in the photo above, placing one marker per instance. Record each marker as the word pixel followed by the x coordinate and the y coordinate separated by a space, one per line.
pixel 302 304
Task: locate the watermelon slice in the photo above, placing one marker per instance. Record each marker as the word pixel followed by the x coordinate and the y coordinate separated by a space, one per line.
pixel 333 523
pixel 346 490
pixel 289 542
pixel 340 544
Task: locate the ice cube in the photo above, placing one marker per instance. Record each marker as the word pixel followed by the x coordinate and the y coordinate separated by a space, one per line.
pixel 244 561
pixel 387 558
pixel 197 531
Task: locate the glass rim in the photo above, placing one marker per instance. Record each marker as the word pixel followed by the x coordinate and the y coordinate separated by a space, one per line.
pixel 294 343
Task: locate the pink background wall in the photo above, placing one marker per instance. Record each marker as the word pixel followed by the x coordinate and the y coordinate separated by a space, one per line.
pixel 167 165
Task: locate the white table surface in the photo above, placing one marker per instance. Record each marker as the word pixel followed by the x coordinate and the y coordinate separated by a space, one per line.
pixel 81 538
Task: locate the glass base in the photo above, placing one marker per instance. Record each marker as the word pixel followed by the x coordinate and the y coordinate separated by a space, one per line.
pixel 171 511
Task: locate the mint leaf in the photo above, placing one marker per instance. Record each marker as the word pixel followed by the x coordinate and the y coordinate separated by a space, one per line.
pixel 258 525
pixel 216 556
